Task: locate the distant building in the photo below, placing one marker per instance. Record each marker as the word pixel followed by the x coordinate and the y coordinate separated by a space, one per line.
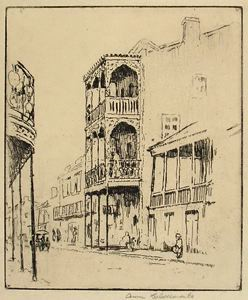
pixel 170 124
pixel 65 208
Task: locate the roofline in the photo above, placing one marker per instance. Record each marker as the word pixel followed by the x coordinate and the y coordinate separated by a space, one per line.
pixel 169 46
pixel 216 29
pixel 104 57
pixel 163 142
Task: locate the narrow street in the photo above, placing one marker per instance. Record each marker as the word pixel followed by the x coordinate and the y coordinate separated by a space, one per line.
pixel 60 268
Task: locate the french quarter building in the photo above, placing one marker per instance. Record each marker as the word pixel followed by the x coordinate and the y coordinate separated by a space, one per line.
pixel 65 209
pixel 198 86
pixel 113 150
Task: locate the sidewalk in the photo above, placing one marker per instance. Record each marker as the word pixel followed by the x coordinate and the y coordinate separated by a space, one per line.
pixel 153 255
pixel 188 258
pixel 16 278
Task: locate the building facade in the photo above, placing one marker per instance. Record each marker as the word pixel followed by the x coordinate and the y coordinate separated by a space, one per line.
pixel 65 209
pixel 113 150
pixel 187 191
pixel 191 78
pixel 181 190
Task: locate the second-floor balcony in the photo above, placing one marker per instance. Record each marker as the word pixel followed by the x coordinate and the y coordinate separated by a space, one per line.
pixel 68 211
pixel 116 170
pixel 195 194
pixel 95 175
pixel 124 169
pixel 96 113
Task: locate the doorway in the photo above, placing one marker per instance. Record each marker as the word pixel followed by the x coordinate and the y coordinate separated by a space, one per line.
pixel 192 230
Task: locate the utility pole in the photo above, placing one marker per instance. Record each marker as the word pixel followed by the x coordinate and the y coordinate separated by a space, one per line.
pixel 21 236
pixel 13 221
pixel 33 246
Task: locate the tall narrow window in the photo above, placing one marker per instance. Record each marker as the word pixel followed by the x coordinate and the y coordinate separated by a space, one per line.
pixel 171 169
pixel 185 173
pixel 167 222
pixel 158 174
pixel 201 160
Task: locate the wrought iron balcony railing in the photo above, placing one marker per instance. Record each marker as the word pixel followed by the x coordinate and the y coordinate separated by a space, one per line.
pixel 67 211
pixel 124 169
pixel 95 175
pixel 122 106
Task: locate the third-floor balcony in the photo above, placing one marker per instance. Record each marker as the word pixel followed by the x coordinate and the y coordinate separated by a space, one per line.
pixel 122 106
pixel 113 106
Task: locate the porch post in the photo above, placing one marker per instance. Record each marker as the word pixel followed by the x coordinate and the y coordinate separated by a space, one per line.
pixel 33 246
pixel 99 219
pixel 21 237
pixel 107 204
pixel 13 221
pixel 91 223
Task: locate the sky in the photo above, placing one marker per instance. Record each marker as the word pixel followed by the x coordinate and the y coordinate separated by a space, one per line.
pixel 59 45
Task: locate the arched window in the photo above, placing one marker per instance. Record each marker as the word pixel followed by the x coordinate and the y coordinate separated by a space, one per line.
pixel 103 81
pixel 101 133
pixel 124 141
pixel 95 83
pixel 126 81
pixel 88 86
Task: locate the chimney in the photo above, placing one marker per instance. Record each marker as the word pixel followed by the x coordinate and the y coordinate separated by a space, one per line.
pixel 191 30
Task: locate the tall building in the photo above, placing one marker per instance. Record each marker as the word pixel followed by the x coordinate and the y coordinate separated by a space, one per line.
pixel 113 150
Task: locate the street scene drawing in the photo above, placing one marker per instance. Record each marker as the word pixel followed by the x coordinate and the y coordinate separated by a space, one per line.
pixel 123 148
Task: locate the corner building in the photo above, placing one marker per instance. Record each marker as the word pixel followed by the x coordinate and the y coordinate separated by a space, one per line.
pixel 113 150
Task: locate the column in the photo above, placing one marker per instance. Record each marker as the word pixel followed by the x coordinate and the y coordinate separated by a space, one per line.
pixel 13 221
pixel 99 219
pixel 34 269
pixel 107 228
pixel 91 223
pixel 21 236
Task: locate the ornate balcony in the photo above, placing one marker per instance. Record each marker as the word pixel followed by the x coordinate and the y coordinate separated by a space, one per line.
pixel 95 175
pixel 20 129
pixel 20 104
pixel 95 114
pixel 124 169
pixel 122 106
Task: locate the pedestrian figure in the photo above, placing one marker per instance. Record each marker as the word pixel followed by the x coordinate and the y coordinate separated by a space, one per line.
pixel 132 243
pixel 178 248
pixel 47 244
pixel 125 241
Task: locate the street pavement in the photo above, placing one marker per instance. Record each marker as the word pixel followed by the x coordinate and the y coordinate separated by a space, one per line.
pixel 63 268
